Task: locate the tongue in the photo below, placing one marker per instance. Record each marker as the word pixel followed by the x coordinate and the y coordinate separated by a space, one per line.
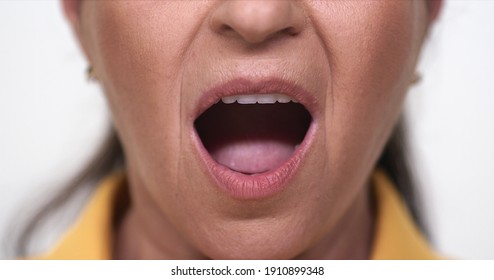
pixel 253 156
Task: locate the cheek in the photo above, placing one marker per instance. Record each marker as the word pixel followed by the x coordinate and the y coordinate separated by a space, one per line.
pixel 373 48
pixel 138 48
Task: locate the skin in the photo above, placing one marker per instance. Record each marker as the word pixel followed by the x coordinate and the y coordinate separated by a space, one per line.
pixel 154 59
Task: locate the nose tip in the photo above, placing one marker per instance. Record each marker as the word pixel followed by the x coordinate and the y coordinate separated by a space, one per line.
pixel 257 21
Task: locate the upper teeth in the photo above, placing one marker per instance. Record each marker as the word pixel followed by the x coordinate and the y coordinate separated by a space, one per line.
pixel 258 98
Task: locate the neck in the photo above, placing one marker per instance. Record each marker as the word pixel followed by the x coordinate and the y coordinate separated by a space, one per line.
pixel 351 237
pixel 147 234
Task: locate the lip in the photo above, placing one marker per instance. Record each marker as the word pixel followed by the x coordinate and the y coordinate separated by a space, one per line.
pixel 257 186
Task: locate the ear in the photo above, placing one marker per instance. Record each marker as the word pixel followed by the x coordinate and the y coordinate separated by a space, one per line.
pixel 434 9
pixel 72 10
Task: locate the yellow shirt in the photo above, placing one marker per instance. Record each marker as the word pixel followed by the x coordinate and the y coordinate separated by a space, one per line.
pixel 91 237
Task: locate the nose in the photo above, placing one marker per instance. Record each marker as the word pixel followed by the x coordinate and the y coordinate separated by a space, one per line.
pixel 256 21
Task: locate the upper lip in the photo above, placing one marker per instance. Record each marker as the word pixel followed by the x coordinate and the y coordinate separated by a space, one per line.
pixel 241 86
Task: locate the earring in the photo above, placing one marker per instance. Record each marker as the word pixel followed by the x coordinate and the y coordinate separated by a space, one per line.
pixel 91 76
pixel 416 78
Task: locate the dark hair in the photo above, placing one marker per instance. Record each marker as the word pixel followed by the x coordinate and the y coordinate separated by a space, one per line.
pixel 394 161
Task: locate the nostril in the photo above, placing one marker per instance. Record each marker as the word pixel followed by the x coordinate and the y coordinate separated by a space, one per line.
pixel 255 37
pixel 225 28
pixel 257 21
pixel 290 30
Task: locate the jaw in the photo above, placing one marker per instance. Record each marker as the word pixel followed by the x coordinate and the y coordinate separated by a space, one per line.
pixel 211 224
pixel 287 225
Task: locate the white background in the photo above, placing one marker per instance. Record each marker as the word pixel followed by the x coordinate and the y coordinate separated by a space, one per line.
pixel 52 120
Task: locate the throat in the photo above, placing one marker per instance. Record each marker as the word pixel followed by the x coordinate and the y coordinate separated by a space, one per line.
pixel 252 139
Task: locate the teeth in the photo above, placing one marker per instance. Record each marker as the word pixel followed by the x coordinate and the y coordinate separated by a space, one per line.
pixel 229 99
pixel 284 99
pixel 247 99
pixel 258 98
pixel 266 99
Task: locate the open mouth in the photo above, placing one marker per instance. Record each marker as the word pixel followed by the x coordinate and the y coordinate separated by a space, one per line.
pixel 253 134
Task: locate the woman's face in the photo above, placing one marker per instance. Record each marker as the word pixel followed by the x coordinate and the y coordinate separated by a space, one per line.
pixel 251 180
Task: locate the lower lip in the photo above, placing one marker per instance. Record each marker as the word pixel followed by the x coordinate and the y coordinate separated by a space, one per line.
pixel 257 186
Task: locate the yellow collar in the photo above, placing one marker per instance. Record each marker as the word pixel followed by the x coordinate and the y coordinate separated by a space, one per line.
pixel 397 236
pixel 91 237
